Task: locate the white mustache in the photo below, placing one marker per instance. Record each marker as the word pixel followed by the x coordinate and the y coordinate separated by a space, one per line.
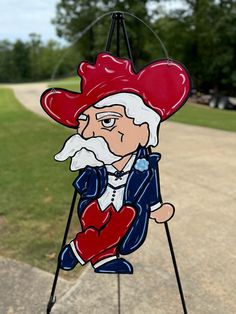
pixel 93 152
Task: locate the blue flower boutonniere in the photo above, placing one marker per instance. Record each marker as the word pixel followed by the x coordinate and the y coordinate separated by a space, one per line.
pixel 141 164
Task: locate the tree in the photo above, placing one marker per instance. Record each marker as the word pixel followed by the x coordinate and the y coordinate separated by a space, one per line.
pixel 73 16
pixel 35 49
pixel 21 61
pixel 34 60
pixel 202 36
pixel 6 61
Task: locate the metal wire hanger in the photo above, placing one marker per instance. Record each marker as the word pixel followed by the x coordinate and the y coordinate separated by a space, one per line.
pixel 80 34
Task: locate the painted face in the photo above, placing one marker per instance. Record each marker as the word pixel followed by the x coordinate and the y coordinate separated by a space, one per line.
pixel 121 134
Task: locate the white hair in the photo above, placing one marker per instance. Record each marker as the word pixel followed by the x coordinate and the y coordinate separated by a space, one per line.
pixel 135 109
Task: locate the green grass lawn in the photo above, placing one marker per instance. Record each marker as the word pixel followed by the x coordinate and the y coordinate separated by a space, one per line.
pixel 204 116
pixel 71 83
pixel 36 191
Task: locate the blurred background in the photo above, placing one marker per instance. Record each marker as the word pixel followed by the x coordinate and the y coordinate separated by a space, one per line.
pixel 41 45
pixel 201 34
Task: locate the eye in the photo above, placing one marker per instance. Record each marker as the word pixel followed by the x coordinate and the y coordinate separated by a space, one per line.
pixel 108 123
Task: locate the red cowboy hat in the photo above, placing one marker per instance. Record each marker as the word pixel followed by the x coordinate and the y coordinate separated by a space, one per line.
pixel 163 86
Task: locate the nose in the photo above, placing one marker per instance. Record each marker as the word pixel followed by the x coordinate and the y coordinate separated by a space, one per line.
pixel 88 131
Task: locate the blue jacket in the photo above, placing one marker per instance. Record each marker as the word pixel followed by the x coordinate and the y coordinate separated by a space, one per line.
pixel 141 192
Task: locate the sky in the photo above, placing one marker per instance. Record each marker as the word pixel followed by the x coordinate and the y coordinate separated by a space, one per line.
pixel 19 18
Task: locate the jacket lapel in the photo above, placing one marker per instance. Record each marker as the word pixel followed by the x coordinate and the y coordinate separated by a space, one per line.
pixel 137 179
pixel 102 179
pixel 136 182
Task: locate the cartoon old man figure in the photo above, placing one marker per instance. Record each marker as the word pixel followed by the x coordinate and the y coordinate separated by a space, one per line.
pixel 117 116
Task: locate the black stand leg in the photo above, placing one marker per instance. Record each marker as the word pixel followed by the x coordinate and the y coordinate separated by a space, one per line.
pixel 111 31
pixel 118 20
pixel 52 299
pixel 118 295
pixel 176 268
pixel 126 38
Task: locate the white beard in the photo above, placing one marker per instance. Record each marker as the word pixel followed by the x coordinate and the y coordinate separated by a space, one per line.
pixel 86 152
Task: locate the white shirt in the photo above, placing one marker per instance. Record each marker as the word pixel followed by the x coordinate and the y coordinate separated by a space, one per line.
pixel 114 192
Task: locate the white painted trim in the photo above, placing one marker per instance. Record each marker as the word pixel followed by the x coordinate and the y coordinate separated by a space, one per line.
pixel 103 261
pixel 155 207
pixel 80 260
pixel 111 114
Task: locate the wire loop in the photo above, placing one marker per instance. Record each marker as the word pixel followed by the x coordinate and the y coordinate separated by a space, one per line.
pixel 80 34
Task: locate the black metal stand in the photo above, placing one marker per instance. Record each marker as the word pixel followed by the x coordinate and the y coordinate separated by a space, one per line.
pixel 175 268
pixel 118 295
pixel 117 20
pixel 52 299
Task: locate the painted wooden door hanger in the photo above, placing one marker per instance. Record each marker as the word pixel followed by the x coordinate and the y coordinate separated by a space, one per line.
pixel 116 117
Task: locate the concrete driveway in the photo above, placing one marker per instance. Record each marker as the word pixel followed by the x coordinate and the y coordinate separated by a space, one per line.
pixel 198 172
pixel 29 95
